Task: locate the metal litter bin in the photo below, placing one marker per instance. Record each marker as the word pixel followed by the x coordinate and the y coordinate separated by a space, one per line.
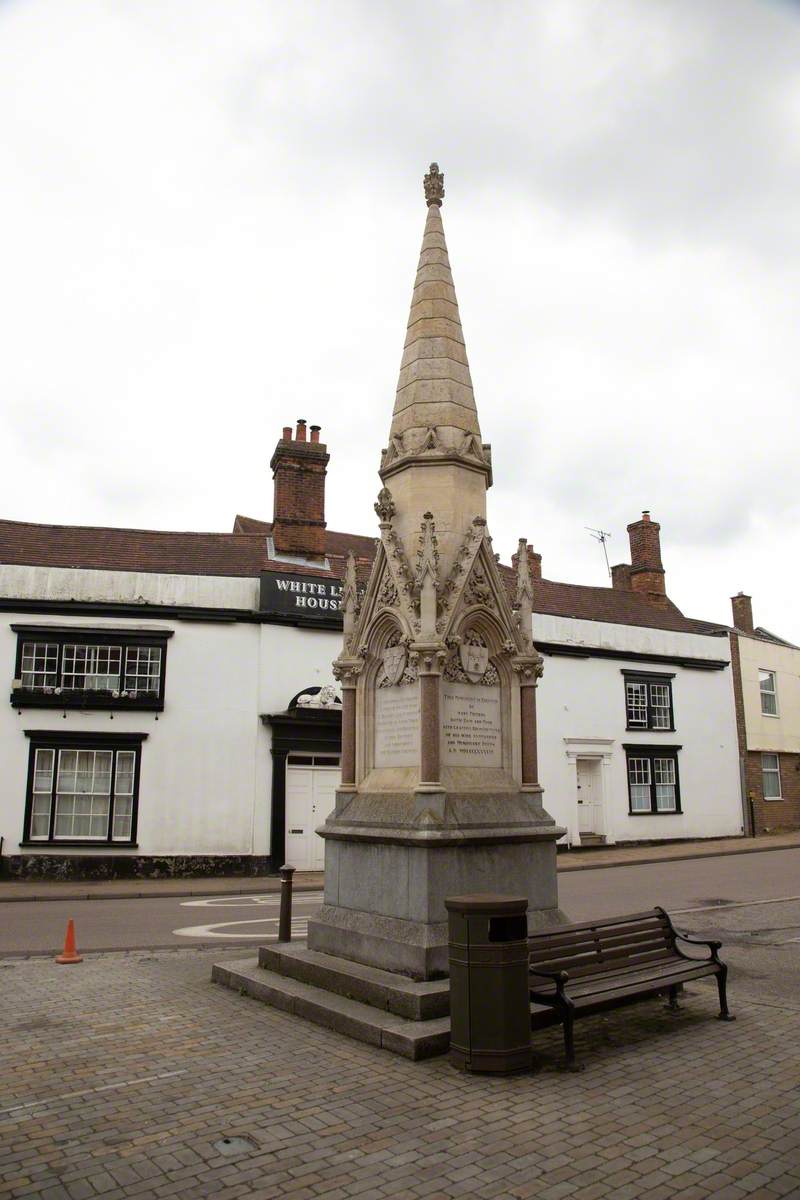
pixel 490 1025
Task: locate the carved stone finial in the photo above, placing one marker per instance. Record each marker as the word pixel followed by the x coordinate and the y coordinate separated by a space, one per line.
pixel 350 584
pixel 384 505
pixel 434 186
pixel 523 602
pixel 524 585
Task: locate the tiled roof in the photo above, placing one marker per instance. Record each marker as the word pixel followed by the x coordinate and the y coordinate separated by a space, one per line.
pixel 759 633
pixel 613 605
pixel 335 543
pixel 244 553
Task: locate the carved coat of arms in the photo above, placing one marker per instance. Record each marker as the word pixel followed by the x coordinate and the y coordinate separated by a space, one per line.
pixel 394 664
pixel 474 655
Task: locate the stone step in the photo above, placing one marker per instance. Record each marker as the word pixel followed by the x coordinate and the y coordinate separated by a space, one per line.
pixel 411 1039
pixel 383 990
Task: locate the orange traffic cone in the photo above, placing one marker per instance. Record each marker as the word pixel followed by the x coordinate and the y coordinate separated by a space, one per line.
pixel 70 953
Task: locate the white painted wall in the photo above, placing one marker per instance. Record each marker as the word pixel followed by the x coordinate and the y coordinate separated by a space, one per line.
pixel 206 773
pixel 581 710
pixel 128 587
pixel 782 733
pixel 206 777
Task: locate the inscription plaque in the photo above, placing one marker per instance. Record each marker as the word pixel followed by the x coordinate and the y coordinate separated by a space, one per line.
pixel 471 732
pixel 397 726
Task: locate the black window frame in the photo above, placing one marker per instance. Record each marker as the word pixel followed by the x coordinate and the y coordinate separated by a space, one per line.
pixel 648 678
pixel 47 739
pixel 66 635
pixel 652 752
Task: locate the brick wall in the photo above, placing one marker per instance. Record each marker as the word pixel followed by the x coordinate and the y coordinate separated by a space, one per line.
pixel 647 571
pixel 774 816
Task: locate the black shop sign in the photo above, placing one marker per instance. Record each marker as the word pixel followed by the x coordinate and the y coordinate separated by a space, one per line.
pixel 302 596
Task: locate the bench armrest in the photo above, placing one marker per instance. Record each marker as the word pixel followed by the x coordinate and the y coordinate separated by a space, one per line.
pixel 712 944
pixel 559 978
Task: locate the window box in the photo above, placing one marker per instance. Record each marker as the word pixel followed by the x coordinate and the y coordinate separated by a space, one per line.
pixel 653 781
pixel 83 788
pixel 73 667
pixel 648 701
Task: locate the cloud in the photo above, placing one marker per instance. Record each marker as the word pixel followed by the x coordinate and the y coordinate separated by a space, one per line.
pixel 216 212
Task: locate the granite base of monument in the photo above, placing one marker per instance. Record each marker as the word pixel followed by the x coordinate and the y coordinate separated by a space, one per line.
pixel 391 860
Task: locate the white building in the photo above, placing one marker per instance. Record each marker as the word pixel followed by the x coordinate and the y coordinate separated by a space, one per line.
pixel 153 725
pixel 151 676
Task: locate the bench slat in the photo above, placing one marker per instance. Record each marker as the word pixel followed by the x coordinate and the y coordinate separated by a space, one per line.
pixel 606 946
pixel 576 968
pixel 652 914
pixel 589 933
pixel 629 983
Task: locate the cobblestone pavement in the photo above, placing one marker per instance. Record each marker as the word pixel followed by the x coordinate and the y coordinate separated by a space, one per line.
pixel 120 1078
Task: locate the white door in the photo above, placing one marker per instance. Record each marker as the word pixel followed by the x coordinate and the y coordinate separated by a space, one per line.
pixel 310 796
pixel 589 798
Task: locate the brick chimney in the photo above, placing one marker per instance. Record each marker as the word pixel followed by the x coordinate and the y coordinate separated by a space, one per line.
pixel 534 562
pixel 298 468
pixel 621 577
pixel 646 570
pixel 742 606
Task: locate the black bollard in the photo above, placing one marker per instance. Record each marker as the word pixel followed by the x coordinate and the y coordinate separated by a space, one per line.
pixel 285 920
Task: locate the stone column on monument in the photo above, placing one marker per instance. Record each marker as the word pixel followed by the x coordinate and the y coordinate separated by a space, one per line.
pixel 430 675
pixel 348 734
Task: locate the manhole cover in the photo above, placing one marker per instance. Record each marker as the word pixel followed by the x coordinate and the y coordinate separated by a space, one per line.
pixel 235 1145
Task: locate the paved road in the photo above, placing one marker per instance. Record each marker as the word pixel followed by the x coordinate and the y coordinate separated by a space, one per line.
pixel 229 920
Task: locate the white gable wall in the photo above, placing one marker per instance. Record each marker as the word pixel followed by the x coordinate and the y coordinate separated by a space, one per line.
pixel 581 714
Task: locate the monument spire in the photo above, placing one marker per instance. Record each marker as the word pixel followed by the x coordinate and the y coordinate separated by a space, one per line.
pixel 435 404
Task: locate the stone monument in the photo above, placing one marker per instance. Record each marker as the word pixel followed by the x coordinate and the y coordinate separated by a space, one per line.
pixel 439 793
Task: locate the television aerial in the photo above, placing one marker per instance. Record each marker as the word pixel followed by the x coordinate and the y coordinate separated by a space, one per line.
pixel 601 536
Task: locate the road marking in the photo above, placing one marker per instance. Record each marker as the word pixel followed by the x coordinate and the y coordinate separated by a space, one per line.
pixel 299 929
pixel 106 1087
pixel 271 900
pixel 734 904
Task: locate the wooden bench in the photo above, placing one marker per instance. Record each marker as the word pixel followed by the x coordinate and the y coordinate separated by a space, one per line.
pixel 596 965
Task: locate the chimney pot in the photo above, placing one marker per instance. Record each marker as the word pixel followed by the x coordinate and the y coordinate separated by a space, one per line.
pixel 315 432
pixel 287 433
pixel 300 436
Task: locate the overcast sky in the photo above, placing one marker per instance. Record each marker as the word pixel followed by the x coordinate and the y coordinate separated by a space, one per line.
pixel 211 218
